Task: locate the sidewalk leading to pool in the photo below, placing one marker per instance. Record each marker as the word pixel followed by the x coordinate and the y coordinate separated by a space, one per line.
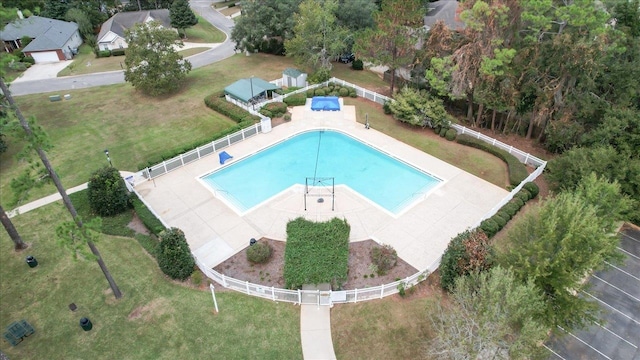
pixel 420 234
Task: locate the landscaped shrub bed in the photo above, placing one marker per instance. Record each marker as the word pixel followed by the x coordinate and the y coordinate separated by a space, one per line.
pixel 276 109
pixel 517 170
pixel 296 99
pixel 384 258
pixel 218 103
pixel 316 253
pixel 495 223
pixel 118 52
pixel 259 253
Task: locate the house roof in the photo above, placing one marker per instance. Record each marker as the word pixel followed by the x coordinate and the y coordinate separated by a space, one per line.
pixel 445 10
pixel 294 73
pixel 48 34
pixel 122 21
pixel 245 89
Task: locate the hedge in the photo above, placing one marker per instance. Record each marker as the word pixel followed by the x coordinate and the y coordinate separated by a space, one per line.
pixel 466 253
pixel 296 99
pixel 117 52
pixel 277 109
pixel 219 104
pixel 517 170
pixel 489 227
pixel 148 219
pixel 316 253
pixel 524 195
pixel 451 134
pixel 103 53
pixel 532 188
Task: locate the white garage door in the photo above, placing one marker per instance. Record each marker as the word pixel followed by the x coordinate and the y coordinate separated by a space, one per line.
pixel 45 56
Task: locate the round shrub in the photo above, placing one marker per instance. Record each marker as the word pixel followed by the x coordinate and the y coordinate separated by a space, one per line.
pixel 386 108
pixel 523 195
pixel 510 209
pixel 174 256
pixel 451 134
pixel 454 253
pixel 443 131
pixel 353 93
pixel 311 93
pixel 384 258
pixel 259 253
pixel 343 92
pixel 532 188
pixel 287 117
pixel 437 129
pixel 500 220
pixel 266 113
pixel 518 202
pixel 319 92
pixel 489 227
pixel 504 215
pixel 107 193
pixel 357 65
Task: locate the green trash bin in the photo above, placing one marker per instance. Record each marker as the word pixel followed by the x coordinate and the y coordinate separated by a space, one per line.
pixel 86 324
pixel 32 261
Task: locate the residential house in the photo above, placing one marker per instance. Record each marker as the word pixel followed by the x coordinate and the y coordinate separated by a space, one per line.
pixel 112 32
pixel 52 40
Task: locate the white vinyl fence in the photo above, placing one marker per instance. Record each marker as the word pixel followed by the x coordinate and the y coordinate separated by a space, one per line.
pixel 321 297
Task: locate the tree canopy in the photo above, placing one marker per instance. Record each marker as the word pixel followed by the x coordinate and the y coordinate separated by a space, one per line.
pixel 181 15
pixel 152 63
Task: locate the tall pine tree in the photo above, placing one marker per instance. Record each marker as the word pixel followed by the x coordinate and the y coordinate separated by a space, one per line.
pixel 182 16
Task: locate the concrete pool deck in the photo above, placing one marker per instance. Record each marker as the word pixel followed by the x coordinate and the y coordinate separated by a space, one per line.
pixel 420 234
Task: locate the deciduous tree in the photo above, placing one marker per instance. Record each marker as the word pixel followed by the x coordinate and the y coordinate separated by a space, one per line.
pixel 317 36
pixel 493 316
pixel 152 63
pixel 418 107
pixel 556 245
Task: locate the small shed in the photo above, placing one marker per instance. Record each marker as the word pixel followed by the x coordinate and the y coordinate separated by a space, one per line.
pixel 294 77
pixel 250 90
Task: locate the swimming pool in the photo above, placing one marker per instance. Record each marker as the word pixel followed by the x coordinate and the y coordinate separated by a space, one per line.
pixel 326 103
pixel 384 180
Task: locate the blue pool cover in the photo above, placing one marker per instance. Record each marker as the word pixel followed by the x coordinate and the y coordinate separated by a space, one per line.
pixel 325 103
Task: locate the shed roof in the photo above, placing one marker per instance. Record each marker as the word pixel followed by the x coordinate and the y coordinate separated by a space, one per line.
pixel 245 89
pixel 294 73
pixel 48 34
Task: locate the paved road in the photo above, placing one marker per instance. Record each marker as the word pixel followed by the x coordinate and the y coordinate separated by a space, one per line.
pixel 203 8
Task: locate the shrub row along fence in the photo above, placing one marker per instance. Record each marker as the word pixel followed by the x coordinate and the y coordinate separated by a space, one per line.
pixel 320 297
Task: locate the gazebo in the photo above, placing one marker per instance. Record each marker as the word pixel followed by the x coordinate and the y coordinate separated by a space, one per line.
pixel 250 90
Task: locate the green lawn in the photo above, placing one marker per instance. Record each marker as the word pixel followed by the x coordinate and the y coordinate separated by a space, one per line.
pixel 155 319
pixel 204 32
pixel 132 126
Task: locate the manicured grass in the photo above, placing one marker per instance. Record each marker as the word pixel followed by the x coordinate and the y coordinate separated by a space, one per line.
pixel 473 161
pixel 218 5
pixel 316 253
pixel 132 126
pixel 155 319
pixel 391 328
pixel 204 32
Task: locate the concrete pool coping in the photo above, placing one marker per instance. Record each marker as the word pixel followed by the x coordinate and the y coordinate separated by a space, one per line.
pixel 420 234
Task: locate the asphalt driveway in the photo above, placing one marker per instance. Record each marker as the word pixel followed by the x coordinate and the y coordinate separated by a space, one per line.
pixel 617 290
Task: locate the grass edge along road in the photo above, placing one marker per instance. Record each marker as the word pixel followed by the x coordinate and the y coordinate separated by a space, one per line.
pixel 156 318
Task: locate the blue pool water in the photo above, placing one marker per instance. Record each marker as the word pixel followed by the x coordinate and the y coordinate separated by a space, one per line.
pixel 388 182
pixel 325 103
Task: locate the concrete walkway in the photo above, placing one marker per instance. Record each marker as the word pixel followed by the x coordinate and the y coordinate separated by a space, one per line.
pixel 315 329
